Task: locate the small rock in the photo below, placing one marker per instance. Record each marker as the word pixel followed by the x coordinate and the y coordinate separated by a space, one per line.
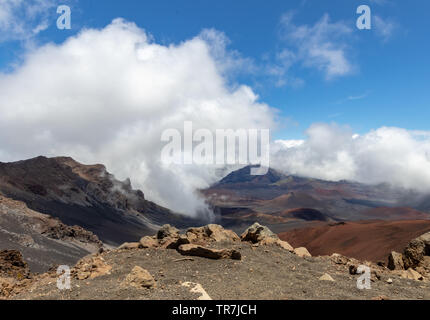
pixel 302 252
pixel 326 277
pixel 197 288
pixel 390 281
pixel 352 269
pixel 375 275
pixel 139 278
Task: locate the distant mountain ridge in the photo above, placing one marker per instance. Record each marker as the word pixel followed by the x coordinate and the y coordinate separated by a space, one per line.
pixel 87 196
pixel 286 202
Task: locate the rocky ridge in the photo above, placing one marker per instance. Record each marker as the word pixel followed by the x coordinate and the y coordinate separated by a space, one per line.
pixel 213 263
pixel 42 239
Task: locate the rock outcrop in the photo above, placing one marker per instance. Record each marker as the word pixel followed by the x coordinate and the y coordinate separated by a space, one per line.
pixel 85 195
pixel 218 269
pixel 43 240
pixel 13 265
pixel 414 263
pixel 14 273
pixel 417 249
pixel 211 233
pixel 169 237
pixel 91 267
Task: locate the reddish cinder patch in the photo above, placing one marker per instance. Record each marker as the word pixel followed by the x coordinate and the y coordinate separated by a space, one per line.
pixel 401 213
pixel 369 240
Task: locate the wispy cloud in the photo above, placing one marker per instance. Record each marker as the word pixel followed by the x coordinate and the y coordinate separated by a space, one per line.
pixel 383 27
pixel 22 20
pixel 322 46
pixel 355 97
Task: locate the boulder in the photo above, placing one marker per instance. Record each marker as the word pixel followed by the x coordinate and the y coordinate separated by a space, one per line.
pixel 200 251
pixel 167 231
pixel 257 233
pixel 411 274
pixel 395 261
pixel 174 242
pixel 302 252
pixel 415 251
pixel 139 278
pixel 218 233
pixel 148 242
pixel 211 233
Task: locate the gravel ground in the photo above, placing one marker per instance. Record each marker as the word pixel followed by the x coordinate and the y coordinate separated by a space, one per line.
pixel 265 272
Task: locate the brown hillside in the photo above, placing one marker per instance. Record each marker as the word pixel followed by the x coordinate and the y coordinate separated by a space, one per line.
pixel 364 240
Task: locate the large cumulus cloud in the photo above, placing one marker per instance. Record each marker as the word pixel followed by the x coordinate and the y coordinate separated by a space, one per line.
pixel 106 95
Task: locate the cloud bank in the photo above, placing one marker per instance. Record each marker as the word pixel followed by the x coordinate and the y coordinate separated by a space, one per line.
pixel 106 96
pixel 332 152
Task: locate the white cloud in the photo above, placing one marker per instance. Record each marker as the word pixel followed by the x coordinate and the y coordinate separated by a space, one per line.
pixel 322 45
pixel 383 27
pixel 331 152
pixel 106 95
pixel 21 20
pixel 228 62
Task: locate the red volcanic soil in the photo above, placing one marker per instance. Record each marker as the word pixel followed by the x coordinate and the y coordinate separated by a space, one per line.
pixel 363 240
pixel 394 214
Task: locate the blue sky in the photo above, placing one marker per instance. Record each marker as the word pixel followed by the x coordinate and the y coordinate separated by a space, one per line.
pixel 387 78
